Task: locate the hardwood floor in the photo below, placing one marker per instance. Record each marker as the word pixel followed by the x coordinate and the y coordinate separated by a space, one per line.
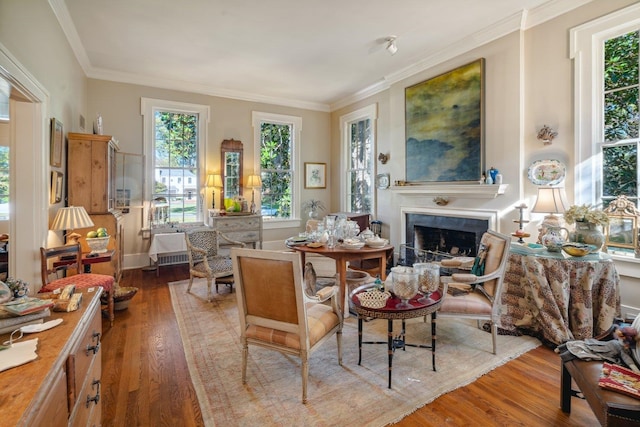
pixel 146 380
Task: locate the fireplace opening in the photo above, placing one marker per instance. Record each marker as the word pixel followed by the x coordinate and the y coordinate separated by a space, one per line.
pixel 433 237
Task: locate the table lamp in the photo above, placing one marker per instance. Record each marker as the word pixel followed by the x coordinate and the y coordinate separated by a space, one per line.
pixel 253 182
pixel 71 218
pixel 551 200
pixel 214 181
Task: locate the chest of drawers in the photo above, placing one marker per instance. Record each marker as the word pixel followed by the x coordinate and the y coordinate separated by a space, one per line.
pixel 242 228
pixel 62 386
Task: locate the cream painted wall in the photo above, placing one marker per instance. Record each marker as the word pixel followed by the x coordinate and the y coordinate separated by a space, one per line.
pixel 529 83
pixel 119 105
pixel 35 52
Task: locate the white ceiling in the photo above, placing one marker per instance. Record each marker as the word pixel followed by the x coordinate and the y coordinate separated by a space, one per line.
pixel 311 54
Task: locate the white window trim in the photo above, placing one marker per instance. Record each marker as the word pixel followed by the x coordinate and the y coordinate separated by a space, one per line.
pixel 257 118
pixel 148 107
pixel 586 49
pixel 368 112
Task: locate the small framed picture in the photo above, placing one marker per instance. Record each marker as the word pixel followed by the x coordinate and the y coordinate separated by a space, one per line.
pixel 56 187
pixel 315 175
pixel 56 143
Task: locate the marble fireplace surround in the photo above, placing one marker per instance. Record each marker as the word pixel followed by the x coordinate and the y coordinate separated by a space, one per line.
pixel 418 221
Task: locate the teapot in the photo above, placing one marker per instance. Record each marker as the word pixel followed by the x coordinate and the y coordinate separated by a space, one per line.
pixel 553 239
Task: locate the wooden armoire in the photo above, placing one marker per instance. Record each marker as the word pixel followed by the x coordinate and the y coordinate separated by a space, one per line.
pixel 91 183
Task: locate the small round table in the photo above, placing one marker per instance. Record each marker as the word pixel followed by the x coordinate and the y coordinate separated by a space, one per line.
pixel 391 313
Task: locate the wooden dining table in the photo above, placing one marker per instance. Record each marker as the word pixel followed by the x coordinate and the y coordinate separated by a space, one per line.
pixel 343 255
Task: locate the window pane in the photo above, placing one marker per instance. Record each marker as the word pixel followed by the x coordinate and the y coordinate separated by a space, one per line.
pixel 360 177
pixel 620 170
pixel 621 115
pixel 4 183
pixel 175 163
pixel 621 61
pixel 275 167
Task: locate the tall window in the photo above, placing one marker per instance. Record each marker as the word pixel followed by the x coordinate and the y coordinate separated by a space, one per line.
pixel 175 136
pixel 621 118
pixel 358 141
pixel 605 53
pixel 276 138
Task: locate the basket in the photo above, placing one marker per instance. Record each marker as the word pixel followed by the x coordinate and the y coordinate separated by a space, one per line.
pixel 121 298
pixel 98 245
pixel 373 298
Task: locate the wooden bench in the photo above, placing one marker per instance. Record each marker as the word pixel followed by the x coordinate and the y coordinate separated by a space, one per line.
pixel 610 407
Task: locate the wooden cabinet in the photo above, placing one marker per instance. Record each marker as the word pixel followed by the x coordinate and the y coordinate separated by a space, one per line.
pixel 62 386
pixel 91 167
pixel 242 228
pixel 91 172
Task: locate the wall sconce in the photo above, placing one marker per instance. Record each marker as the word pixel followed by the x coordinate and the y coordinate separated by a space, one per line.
pixel 383 158
pixel 546 135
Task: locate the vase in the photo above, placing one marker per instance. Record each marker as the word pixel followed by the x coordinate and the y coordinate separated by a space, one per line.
pixel 313 214
pixel 554 238
pixel 589 233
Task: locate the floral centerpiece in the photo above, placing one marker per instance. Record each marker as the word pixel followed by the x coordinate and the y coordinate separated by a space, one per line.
pixel 585 213
pixel 587 220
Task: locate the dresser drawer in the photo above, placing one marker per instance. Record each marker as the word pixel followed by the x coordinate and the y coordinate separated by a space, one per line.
pixel 227 225
pixel 54 410
pixel 88 407
pixel 242 236
pixel 82 356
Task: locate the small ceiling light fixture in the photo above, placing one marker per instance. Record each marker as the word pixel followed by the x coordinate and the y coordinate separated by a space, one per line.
pixel 391 45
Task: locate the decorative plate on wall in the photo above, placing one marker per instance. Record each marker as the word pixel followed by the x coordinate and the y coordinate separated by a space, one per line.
pixel 546 172
pixel 382 181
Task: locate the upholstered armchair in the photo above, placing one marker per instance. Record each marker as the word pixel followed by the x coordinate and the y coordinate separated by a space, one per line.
pixel 62 266
pixel 275 313
pixel 483 291
pixel 203 247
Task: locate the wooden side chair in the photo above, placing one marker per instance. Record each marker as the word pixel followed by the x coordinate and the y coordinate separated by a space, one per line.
pixel 62 266
pixel 205 261
pixel 482 302
pixel 275 313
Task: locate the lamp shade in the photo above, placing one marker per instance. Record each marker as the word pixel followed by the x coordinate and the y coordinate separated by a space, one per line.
pixel 214 181
pixel 254 181
pixel 550 200
pixel 71 218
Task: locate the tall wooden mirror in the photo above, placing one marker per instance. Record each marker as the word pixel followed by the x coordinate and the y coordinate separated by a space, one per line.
pixel 231 160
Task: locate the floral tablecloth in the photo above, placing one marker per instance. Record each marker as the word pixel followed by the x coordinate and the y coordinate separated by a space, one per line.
pixel 559 299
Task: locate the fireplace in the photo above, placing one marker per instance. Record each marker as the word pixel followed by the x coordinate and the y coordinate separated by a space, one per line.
pixel 431 234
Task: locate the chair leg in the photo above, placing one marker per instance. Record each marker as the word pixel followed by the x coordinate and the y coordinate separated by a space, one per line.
pixel 494 335
pixel 245 355
pixel 339 338
pixel 209 289
pixel 190 283
pixel 305 374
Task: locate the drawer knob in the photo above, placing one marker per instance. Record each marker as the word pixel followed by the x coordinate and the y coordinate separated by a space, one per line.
pixel 95 399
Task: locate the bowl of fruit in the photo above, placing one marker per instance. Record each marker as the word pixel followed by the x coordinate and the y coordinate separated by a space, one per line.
pixel 98 240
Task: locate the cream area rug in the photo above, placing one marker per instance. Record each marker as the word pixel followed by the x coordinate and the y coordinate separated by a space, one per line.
pixel 337 395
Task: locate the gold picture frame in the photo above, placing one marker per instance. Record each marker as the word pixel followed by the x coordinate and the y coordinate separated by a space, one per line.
pixel 57 137
pixel 56 187
pixel 315 175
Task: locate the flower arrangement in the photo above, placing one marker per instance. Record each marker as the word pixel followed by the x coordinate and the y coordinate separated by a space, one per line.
pixel 585 213
pixel 19 287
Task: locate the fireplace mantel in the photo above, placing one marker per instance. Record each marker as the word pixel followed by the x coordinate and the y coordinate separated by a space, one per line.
pixel 472 191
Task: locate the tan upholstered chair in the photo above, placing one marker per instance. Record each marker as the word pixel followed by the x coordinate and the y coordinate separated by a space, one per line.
pixel 482 302
pixel 204 258
pixel 275 313
pixel 62 266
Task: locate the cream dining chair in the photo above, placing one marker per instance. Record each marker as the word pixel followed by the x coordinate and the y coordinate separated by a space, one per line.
pixel 275 313
pixel 482 301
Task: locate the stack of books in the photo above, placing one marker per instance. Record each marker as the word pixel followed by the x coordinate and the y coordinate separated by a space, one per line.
pixel 22 312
